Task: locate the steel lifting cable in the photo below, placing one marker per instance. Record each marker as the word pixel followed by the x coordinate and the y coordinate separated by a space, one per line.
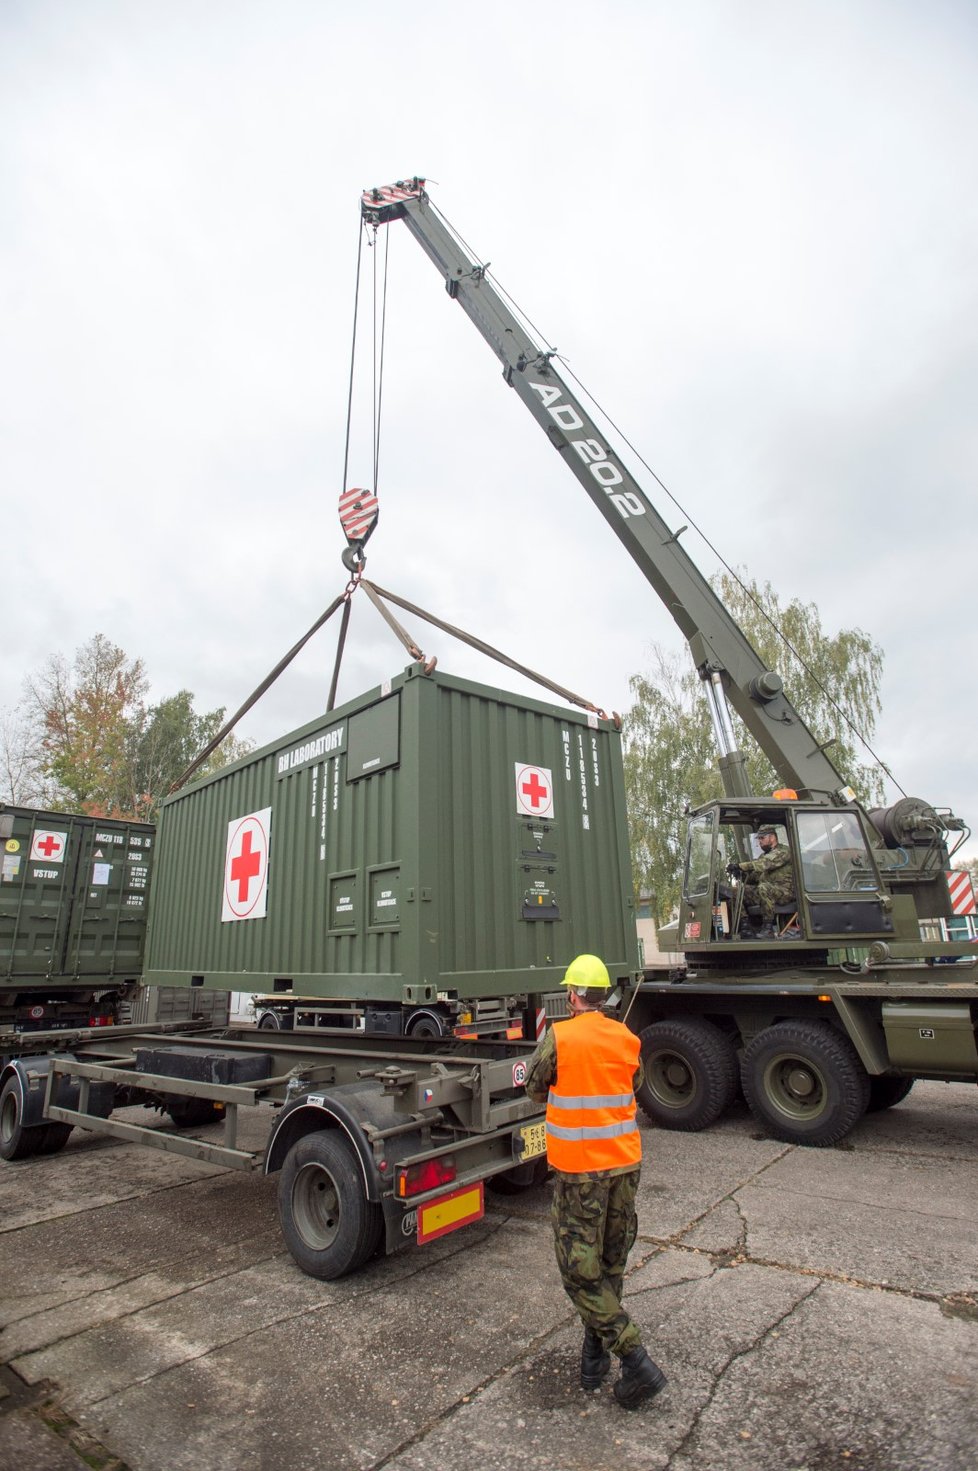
pixel 795 654
pixel 353 359
pixel 375 593
pixel 379 367
pixel 266 683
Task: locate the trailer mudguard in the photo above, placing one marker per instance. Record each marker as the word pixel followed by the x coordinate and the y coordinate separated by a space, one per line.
pixel 32 1078
pixel 348 1107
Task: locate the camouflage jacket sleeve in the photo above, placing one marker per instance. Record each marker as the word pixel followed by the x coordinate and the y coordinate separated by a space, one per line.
pixel 542 1069
pixel 758 867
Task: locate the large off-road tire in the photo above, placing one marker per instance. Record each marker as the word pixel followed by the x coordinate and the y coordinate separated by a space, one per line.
pixel 193 1113
pixel 16 1142
pixel 886 1092
pixel 804 1082
pixel 329 1225
pixel 690 1072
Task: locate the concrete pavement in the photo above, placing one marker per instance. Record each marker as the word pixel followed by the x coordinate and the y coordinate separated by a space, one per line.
pixel 813 1309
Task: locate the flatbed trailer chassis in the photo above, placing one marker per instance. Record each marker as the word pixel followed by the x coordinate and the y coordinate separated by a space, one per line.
pixel 376 1146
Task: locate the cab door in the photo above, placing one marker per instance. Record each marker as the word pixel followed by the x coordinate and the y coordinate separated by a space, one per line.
pixel 696 910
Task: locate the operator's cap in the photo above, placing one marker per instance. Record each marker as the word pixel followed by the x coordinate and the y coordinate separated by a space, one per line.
pixel 767 828
pixel 587 972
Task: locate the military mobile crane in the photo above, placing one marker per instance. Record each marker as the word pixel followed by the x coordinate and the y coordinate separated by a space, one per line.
pixel 846 1004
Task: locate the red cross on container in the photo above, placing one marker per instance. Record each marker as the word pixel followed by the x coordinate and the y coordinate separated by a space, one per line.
pixel 244 867
pixel 48 844
pixel 534 791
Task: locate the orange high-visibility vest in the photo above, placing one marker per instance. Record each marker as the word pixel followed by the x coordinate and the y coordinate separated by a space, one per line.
pixel 591 1106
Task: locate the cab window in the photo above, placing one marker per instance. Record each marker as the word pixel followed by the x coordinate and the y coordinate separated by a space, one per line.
pixel 834 854
pixel 699 856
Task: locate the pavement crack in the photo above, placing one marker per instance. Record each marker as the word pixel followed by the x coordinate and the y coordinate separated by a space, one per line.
pixel 721 1258
pixel 731 1195
pixel 871 1205
pixel 735 1358
pixel 137 1195
pixel 178 1289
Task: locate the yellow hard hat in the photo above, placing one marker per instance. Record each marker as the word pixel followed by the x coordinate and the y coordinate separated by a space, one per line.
pixel 587 972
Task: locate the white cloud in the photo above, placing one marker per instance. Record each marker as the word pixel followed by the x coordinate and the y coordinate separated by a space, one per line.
pixel 752 230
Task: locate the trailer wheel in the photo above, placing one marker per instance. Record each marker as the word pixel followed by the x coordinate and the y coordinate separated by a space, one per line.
pixel 886 1092
pixel 329 1225
pixel 192 1113
pixel 16 1142
pixel 270 1021
pixel 56 1136
pixel 690 1074
pixel 519 1178
pixel 805 1083
pixel 425 1024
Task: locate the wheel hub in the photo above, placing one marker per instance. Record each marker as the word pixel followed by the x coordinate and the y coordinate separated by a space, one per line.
pixel 800 1083
pixel 795 1087
pixel 671 1079
pixel 316 1206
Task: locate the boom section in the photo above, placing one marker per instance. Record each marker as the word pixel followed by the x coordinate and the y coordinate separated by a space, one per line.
pixel 719 647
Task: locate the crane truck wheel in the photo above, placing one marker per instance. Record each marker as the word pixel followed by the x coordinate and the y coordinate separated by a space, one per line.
pixel 329 1225
pixel 886 1092
pixel 804 1082
pixel 690 1072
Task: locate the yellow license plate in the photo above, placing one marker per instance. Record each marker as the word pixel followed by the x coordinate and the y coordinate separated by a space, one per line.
pixel 534 1140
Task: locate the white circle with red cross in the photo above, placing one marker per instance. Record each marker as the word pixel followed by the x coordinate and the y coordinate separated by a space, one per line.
pixel 47 847
pixel 534 791
pixel 246 866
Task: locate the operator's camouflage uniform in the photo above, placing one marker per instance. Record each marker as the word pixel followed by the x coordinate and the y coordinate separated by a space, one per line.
pixel 770 881
pixel 595 1224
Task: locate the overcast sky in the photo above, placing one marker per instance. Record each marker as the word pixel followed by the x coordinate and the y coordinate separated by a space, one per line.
pixel 750 227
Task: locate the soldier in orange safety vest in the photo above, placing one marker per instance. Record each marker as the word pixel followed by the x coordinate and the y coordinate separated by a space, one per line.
pixel 585 1069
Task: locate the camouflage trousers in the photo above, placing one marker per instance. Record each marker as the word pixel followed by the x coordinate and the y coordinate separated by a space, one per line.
pixel 765 894
pixel 595 1224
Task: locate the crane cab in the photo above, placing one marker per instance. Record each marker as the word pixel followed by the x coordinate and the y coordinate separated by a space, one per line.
pixel 827 891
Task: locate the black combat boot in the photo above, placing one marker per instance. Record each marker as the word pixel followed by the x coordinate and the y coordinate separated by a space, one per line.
pixel 595 1361
pixel 640 1379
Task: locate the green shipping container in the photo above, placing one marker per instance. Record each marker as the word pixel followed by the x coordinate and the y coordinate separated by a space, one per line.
pixel 432 838
pixel 74 895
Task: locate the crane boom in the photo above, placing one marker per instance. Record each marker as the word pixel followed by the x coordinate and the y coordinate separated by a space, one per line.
pixel 726 661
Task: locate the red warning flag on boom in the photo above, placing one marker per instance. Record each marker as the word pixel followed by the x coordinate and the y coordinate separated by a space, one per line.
pixel 358 513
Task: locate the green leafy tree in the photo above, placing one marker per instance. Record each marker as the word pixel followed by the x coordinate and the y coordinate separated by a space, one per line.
pixel 85 713
pixel 670 757
pixel 170 737
pixel 84 737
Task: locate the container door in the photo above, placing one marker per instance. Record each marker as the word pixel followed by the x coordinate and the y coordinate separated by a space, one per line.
pixel 108 926
pixel 37 877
